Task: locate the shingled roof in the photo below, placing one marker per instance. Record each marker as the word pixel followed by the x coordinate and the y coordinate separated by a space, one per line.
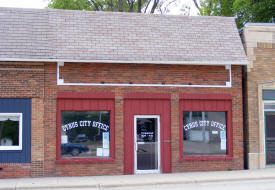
pixel 48 34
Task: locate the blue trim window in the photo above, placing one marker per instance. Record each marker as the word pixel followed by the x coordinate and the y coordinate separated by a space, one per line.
pixel 15 130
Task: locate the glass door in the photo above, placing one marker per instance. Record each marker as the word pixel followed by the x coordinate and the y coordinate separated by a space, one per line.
pixel 147 146
pixel 270 137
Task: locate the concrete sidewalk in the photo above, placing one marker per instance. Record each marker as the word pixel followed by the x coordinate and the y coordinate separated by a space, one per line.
pixel 135 180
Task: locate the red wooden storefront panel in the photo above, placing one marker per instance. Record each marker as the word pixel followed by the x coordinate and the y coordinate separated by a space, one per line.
pixel 147 104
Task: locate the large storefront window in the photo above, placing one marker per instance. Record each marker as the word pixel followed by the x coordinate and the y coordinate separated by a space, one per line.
pixel 85 134
pixel 204 133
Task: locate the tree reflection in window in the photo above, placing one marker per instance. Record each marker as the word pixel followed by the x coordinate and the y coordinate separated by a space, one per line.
pixel 204 133
pixel 85 133
pixel 9 131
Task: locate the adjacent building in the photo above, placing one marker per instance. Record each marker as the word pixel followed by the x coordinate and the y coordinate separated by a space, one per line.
pixel 260 94
pixel 102 93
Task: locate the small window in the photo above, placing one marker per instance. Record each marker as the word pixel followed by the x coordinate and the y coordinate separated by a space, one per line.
pixel 10 131
pixel 204 133
pixel 85 134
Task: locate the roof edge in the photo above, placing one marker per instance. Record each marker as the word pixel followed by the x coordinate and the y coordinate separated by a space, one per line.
pixel 214 63
pixel 119 13
pixel 259 24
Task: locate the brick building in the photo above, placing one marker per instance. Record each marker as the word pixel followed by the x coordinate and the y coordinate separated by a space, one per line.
pixel 260 94
pixel 100 93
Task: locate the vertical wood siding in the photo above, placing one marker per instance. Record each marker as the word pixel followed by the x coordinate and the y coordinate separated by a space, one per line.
pixel 18 105
pixel 147 104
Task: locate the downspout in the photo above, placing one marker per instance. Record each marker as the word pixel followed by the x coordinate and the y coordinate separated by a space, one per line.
pixel 245 124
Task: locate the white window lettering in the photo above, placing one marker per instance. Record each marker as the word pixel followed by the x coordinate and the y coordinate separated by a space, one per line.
pixel 85 123
pixel 64 128
pixel 191 125
pixel 100 125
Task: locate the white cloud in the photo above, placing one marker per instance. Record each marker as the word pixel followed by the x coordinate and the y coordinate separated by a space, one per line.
pixel 24 3
pixel 185 7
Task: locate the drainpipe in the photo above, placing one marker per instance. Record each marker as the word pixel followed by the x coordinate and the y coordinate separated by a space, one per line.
pixel 245 124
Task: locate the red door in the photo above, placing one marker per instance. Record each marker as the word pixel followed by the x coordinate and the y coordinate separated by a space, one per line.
pixel 147 104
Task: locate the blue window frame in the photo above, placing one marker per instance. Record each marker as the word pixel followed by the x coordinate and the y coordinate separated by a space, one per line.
pixel 15 129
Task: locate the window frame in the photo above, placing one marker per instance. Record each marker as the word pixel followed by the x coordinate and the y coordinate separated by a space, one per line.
pixel 101 105
pixel 20 135
pixel 207 103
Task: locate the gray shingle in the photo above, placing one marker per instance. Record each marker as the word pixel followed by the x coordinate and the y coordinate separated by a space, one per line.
pixel 87 35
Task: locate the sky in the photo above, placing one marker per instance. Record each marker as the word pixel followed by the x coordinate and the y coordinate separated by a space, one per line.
pixel 175 9
pixel 24 3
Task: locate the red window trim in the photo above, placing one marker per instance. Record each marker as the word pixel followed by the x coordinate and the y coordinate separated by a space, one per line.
pixel 228 110
pixel 83 96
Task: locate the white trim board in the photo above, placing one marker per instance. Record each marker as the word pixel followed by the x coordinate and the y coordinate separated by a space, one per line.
pixel 61 82
pixel 214 63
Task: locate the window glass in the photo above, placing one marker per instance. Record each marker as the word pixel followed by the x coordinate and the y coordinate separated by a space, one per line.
pixel 9 131
pixel 269 106
pixel 270 137
pixel 85 133
pixel 147 130
pixel 204 133
pixel 269 94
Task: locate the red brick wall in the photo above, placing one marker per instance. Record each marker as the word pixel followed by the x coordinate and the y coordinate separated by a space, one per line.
pixel 125 73
pixel 15 170
pixel 25 80
pixel 143 73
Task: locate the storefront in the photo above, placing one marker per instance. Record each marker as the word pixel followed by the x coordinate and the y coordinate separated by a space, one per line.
pixel 141 128
pixel 116 104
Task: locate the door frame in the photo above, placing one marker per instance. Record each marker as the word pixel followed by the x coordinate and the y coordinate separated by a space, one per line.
pixel 136 171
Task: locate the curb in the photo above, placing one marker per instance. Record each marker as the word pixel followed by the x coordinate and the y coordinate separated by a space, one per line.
pixel 139 184
pixel 185 182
